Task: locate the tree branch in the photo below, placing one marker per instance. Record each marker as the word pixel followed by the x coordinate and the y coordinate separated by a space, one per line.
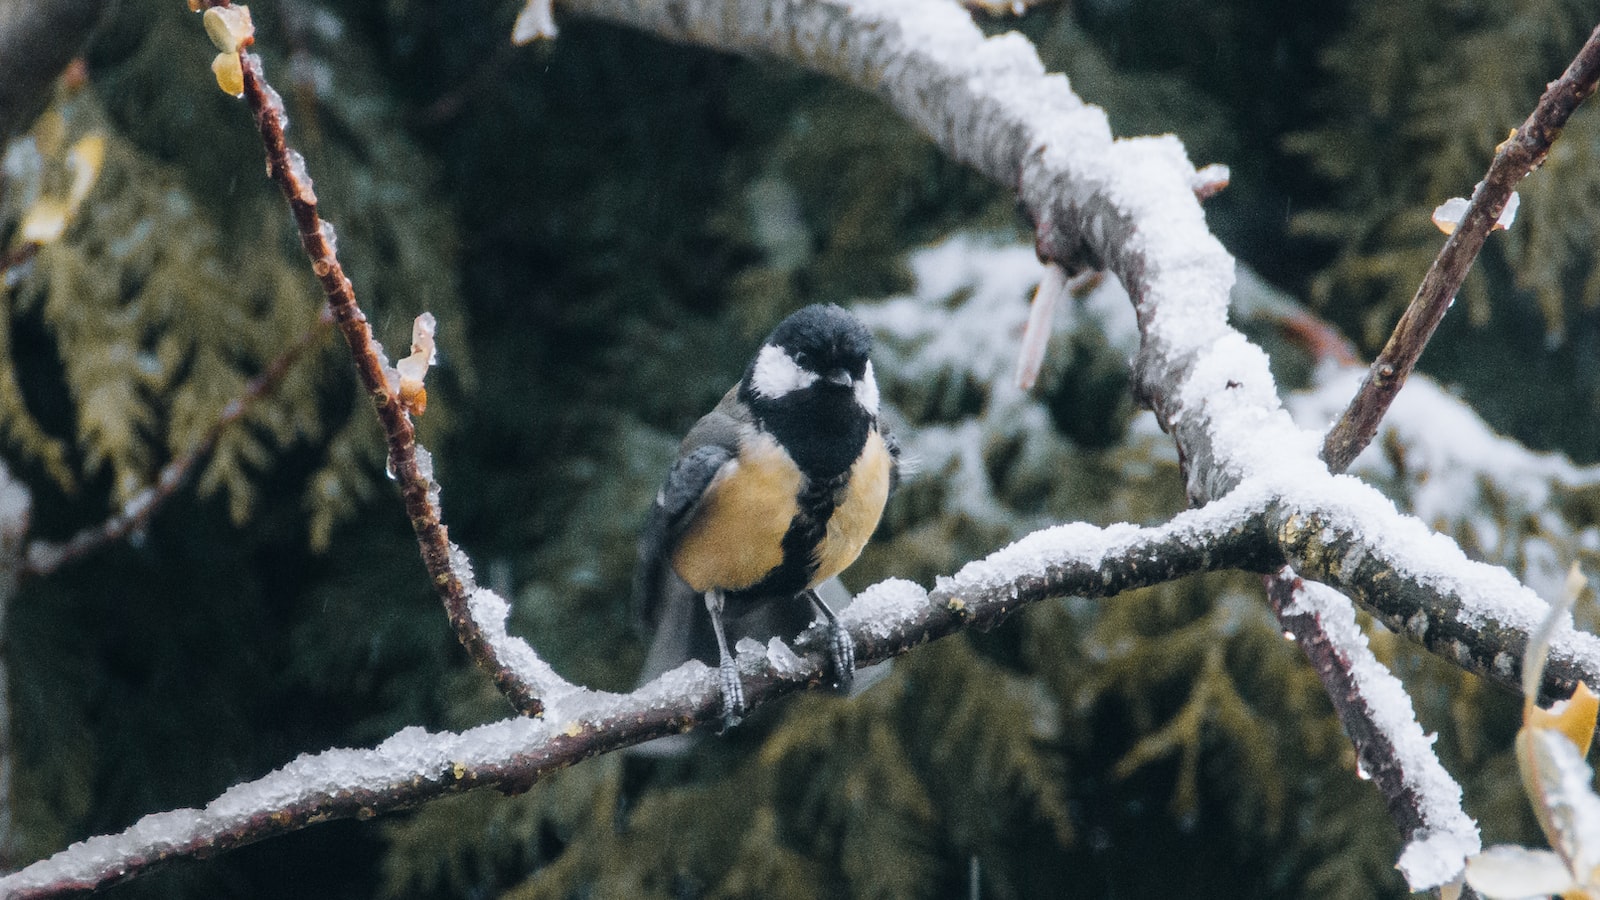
pixel 1513 161
pixel 1423 800
pixel 414 766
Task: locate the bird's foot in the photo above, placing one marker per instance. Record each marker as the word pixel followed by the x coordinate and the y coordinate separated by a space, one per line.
pixel 842 652
pixel 732 690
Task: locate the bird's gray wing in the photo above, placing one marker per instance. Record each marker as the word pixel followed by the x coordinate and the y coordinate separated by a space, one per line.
pixel 718 428
pixel 666 607
pixel 675 504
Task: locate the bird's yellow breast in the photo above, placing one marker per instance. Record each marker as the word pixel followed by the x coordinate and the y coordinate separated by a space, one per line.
pixel 856 517
pixel 736 536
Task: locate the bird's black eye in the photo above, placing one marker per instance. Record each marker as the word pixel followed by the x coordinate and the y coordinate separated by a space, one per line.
pixel 801 359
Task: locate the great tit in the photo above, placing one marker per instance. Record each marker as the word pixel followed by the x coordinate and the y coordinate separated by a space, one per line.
pixel 774 491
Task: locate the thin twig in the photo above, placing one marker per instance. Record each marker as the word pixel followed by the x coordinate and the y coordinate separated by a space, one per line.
pixel 454 584
pixel 1517 156
pixel 44 557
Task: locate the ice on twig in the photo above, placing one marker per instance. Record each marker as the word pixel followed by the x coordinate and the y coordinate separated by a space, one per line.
pixel 1447 216
pixel 414 368
pixel 537 20
pixel 231 30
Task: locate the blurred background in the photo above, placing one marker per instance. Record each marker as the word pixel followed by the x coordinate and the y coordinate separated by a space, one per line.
pixel 606 226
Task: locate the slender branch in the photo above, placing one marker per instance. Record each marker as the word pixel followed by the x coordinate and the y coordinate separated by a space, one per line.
pixel 887 619
pixel 411 466
pixel 44 557
pixel 1515 159
pixel 1373 747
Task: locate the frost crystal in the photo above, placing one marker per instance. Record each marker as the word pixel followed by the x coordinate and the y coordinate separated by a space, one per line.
pixel 784 661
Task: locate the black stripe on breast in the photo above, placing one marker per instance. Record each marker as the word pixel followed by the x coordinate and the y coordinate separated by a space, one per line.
pixel 816 503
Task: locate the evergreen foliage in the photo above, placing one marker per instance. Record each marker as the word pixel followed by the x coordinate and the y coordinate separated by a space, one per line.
pixel 180 276
pixel 1420 95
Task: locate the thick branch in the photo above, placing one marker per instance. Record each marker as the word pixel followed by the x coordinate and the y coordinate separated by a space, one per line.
pixel 413 766
pixel 1518 156
pixel 1421 585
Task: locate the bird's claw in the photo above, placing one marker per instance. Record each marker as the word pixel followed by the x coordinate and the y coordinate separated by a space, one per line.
pixel 732 690
pixel 842 653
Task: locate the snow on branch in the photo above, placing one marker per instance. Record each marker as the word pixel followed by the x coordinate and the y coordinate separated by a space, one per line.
pixel 1424 800
pixel 415 766
pixel 1419 583
pixel 1440 461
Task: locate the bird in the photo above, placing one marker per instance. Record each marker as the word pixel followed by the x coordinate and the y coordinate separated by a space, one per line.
pixel 773 493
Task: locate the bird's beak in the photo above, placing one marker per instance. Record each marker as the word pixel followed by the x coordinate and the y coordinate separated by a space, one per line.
pixel 841 377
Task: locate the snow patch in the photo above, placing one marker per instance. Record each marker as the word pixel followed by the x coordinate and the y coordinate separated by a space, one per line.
pixel 885 607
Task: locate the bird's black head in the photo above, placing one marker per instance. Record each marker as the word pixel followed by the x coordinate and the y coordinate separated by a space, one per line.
pixel 826 341
pixel 812 386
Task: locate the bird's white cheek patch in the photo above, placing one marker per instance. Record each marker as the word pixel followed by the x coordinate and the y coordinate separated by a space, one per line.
pixel 867 391
pixel 776 373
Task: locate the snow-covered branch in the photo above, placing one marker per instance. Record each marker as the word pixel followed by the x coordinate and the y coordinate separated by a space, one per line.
pixel 1423 799
pixel 415 766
